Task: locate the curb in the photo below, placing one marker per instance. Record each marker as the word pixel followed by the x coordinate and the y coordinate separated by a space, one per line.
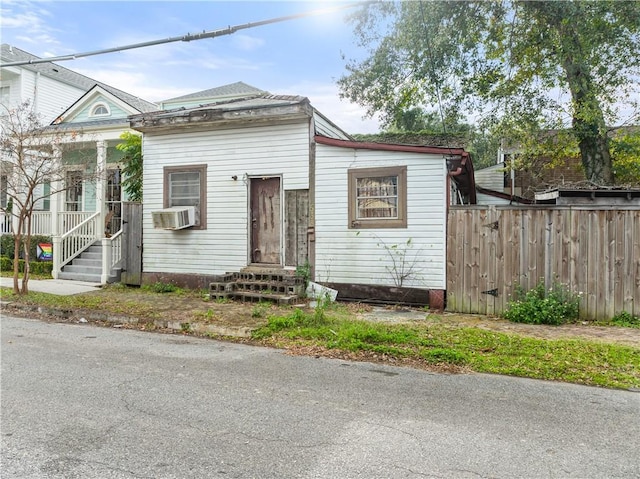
pixel 84 316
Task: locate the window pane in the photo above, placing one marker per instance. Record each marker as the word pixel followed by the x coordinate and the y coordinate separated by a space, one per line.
pixel 184 189
pixel 377 197
pixel 100 110
pixel 73 185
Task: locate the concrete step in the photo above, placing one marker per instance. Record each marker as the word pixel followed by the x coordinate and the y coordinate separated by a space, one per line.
pixel 82 261
pixel 93 256
pixel 90 278
pixel 74 268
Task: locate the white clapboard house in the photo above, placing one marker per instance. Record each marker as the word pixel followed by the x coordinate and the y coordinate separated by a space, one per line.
pixel 238 181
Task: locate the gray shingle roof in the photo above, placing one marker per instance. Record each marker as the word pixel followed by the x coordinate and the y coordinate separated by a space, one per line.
pixel 53 70
pixel 233 89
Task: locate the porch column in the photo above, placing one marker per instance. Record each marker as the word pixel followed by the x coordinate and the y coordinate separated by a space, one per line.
pixel 101 183
pixel 55 207
pixel 56 200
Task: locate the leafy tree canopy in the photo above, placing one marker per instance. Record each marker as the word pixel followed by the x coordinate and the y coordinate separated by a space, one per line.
pixel 131 146
pixel 625 151
pixel 511 64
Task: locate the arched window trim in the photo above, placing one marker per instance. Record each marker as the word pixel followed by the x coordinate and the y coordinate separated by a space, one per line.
pixel 97 106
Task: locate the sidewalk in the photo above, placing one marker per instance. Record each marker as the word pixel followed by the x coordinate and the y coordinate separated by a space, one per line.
pixel 60 287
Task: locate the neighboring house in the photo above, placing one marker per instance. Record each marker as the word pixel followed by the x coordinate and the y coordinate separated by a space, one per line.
pixel 273 184
pixel 97 120
pixel 49 88
pixel 545 181
pixel 495 186
pixel 95 115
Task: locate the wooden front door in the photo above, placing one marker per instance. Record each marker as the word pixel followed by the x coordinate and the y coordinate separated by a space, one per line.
pixel 265 220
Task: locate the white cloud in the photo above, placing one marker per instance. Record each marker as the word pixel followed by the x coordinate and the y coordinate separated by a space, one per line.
pixel 325 98
pixel 247 42
pixel 27 19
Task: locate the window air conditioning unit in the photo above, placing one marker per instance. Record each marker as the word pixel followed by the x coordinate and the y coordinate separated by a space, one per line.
pixel 175 218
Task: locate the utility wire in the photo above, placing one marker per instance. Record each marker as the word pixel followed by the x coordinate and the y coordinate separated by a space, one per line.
pixel 188 37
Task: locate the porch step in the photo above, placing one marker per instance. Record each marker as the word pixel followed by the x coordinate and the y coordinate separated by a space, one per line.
pixel 88 267
pixel 82 260
pixel 255 285
pixel 90 278
pixel 92 269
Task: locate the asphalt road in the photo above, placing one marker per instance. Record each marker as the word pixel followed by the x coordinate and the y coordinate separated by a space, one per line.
pixel 80 401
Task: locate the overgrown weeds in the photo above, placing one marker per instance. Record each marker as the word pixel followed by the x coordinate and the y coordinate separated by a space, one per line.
pixel 557 305
pixel 578 361
pixel 626 320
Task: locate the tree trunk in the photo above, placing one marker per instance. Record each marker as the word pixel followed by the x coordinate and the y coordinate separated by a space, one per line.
pixel 27 257
pixel 17 240
pixel 589 126
pixel 588 123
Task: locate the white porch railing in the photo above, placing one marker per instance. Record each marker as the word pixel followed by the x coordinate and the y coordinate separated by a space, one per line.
pixel 5 223
pixel 40 223
pixel 75 241
pixel 68 220
pixel 111 254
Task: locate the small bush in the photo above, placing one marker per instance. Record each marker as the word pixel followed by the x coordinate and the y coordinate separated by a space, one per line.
pixel 7 245
pixel 6 264
pixel 39 268
pixel 160 287
pixel 556 306
pixel 260 310
pixel 627 320
pixel 304 271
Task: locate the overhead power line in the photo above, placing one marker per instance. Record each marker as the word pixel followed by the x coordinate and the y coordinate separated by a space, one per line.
pixel 189 37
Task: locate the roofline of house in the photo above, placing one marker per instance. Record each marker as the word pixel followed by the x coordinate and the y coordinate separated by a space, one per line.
pixel 461 173
pixel 365 145
pixel 324 117
pixel 72 110
pixel 504 196
pixel 202 115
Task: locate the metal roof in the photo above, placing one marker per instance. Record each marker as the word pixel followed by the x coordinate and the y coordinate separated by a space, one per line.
pixel 52 70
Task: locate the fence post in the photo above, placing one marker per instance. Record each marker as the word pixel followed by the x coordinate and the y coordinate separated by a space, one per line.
pixel 106 260
pixel 57 243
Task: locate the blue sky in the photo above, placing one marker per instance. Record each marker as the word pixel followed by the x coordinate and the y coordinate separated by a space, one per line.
pixel 302 57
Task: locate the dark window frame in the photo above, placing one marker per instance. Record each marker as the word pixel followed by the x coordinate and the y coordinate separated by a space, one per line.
pixel 363 223
pixel 201 211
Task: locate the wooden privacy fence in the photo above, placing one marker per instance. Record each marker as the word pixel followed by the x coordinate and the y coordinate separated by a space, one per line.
pixel 593 251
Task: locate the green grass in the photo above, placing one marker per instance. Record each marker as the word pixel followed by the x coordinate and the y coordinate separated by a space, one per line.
pixel 576 360
pixel 437 342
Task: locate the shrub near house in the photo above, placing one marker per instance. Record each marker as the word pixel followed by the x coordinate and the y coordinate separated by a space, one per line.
pixel 36 266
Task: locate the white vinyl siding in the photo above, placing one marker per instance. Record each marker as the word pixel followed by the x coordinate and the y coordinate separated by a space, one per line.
pixel 50 97
pixel 491 177
pixel 324 127
pixel 346 255
pixel 5 96
pixel 274 150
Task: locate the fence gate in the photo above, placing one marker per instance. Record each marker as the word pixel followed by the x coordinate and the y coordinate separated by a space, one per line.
pixel 594 251
pixel 131 244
